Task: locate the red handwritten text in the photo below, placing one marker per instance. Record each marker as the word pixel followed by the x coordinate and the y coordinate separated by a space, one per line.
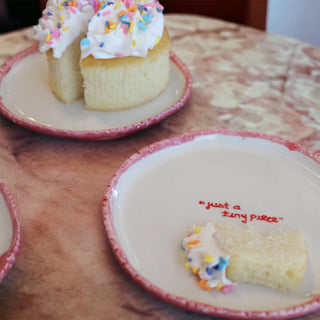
pixel 243 217
pixel 226 208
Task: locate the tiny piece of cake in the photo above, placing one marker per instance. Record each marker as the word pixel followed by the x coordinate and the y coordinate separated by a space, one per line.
pixel 60 29
pixel 125 56
pixel 277 260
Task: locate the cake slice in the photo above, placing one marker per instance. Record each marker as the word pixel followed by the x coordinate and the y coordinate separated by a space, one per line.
pixel 60 29
pixel 65 79
pixel 276 260
pixel 125 58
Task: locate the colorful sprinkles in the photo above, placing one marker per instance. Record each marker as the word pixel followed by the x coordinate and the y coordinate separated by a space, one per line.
pixel 122 15
pixel 125 16
pixel 73 6
pixel 209 269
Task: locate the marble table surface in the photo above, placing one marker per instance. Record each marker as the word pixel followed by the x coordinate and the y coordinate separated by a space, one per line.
pixel 243 79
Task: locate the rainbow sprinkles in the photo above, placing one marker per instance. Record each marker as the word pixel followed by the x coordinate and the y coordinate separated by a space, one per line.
pixel 63 21
pixel 206 259
pixel 119 28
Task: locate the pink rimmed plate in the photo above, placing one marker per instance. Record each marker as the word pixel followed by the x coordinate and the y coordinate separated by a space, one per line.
pixel 9 231
pixel 26 99
pixel 225 176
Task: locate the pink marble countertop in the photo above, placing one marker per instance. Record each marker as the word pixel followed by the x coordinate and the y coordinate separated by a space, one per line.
pixel 243 79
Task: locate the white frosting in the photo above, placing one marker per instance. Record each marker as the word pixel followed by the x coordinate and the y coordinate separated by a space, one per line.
pixel 133 33
pixel 205 257
pixel 61 24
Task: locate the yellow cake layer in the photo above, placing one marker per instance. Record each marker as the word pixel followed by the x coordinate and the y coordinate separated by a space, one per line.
pixel 64 74
pixel 277 260
pixel 126 82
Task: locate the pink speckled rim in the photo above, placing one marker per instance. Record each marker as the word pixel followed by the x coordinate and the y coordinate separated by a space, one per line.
pixel 93 135
pixel 108 216
pixel 8 258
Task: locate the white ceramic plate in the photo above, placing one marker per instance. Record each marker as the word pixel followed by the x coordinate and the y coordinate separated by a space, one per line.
pixel 160 192
pixel 26 99
pixel 9 231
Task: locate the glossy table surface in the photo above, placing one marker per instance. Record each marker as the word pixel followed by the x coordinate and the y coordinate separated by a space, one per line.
pixel 243 79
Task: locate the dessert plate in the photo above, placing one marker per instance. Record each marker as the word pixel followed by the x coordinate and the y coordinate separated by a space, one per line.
pixel 26 99
pixel 160 192
pixel 9 231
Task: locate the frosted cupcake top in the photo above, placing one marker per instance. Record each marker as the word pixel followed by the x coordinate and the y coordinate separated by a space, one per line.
pixel 62 22
pixel 124 28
